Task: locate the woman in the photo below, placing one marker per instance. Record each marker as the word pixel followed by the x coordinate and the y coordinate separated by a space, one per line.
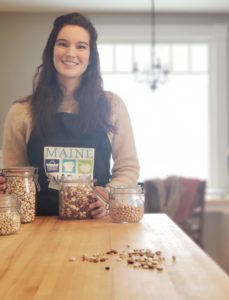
pixel 69 112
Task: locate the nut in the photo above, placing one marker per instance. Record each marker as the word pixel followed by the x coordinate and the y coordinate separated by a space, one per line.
pixel 72 258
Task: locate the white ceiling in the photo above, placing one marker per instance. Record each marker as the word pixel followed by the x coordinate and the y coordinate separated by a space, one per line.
pixel 208 6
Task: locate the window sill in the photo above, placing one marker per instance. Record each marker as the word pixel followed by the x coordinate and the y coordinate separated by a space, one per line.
pixel 217 204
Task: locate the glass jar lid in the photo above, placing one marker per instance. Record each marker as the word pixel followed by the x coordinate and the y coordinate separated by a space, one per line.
pixel 76 179
pixel 136 189
pixel 25 171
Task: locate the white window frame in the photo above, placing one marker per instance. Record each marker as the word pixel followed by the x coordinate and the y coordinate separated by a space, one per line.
pixel 216 36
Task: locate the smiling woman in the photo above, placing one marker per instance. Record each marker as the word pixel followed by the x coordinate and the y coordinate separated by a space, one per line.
pixel 69 112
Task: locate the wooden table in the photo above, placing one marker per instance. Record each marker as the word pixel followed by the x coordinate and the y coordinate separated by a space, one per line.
pixel 34 263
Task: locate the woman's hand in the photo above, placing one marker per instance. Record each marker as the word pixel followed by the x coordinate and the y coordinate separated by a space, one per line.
pixel 2 185
pixel 99 207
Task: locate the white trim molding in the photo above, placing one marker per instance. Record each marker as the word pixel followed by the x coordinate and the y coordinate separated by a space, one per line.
pixel 218 109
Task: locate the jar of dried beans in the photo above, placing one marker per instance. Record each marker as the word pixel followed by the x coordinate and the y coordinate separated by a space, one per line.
pixel 21 182
pixel 75 196
pixel 126 204
pixel 9 214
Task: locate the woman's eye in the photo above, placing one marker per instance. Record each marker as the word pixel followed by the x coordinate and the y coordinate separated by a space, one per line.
pixel 82 46
pixel 62 44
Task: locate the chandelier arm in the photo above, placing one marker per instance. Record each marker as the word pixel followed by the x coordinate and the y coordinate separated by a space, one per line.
pixel 154 77
pixel 156 73
pixel 153 32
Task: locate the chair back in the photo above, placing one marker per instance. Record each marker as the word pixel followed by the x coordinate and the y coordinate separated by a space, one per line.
pixel 182 199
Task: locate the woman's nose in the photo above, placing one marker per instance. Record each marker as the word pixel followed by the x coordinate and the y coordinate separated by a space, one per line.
pixel 71 51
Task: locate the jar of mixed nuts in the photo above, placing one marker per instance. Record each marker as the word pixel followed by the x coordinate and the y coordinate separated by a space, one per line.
pixel 75 196
pixel 126 204
pixel 21 182
pixel 9 214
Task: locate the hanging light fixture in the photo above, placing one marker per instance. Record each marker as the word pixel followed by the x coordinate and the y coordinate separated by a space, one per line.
pixel 156 73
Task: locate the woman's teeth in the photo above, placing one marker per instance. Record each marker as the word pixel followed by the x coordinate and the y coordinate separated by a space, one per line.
pixel 70 63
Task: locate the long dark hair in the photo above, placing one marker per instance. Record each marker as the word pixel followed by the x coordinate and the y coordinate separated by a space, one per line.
pixel 94 107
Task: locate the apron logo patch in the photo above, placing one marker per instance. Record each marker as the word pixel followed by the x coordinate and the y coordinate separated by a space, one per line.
pixel 69 166
pixel 67 161
pixel 52 165
pixel 85 166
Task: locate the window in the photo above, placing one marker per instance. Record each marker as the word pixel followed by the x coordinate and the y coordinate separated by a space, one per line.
pixel 181 128
pixel 170 125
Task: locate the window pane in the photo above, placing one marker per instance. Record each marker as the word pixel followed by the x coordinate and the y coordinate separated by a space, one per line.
pixel 106 55
pixel 123 58
pixel 199 57
pixel 142 56
pixel 163 53
pixel 172 137
pixel 180 57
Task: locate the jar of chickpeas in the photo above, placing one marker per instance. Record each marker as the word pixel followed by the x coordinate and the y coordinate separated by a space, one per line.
pixel 21 182
pixel 126 204
pixel 9 214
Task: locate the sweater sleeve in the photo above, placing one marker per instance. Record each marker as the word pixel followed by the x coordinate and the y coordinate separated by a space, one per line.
pixel 15 135
pixel 125 169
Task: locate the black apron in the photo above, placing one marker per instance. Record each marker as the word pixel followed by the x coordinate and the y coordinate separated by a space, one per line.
pixel 65 133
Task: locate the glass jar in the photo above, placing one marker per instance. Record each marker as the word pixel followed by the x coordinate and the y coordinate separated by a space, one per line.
pixel 21 182
pixel 126 204
pixel 9 214
pixel 75 196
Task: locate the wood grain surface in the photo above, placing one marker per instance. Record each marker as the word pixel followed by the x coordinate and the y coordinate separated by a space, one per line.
pixel 34 263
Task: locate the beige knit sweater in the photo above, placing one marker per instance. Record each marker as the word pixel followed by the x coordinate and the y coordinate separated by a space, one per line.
pixel 125 171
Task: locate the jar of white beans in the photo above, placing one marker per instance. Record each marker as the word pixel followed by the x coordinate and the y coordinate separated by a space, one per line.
pixel 9 214
pixel 126 204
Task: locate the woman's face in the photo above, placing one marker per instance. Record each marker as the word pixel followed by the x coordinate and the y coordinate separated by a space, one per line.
pixel 71 52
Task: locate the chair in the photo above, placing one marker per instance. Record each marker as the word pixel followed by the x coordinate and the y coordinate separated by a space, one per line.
pixel 182 199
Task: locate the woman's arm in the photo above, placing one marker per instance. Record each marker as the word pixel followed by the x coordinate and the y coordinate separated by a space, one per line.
pixel 16 131
pixel 126 168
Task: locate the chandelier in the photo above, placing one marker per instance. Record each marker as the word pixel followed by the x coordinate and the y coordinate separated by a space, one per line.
pixel 155 73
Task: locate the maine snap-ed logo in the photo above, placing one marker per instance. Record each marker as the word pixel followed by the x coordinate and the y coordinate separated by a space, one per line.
pixel 52 165
pixel 60 161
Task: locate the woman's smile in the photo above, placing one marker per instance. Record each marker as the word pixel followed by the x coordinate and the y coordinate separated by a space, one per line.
pixel 70 63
